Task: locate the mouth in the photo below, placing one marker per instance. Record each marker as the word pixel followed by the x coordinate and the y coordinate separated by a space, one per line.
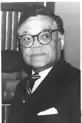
pixel 37 54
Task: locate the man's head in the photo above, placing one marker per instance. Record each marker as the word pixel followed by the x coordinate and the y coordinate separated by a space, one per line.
pixel 40 33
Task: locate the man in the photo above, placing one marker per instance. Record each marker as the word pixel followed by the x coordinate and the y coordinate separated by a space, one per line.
pixel 54 97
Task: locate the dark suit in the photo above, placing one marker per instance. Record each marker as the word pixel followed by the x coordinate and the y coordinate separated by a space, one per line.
pixel 60 89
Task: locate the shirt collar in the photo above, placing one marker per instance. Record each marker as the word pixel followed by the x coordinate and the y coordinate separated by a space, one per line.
pixel 44 73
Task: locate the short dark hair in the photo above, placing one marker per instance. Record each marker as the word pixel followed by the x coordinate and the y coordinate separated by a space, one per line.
pixel 41 10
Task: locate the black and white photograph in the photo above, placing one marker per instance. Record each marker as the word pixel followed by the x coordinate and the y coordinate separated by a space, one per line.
pixel 40 62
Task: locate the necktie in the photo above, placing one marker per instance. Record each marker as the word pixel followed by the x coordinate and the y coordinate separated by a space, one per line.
pixel 34 77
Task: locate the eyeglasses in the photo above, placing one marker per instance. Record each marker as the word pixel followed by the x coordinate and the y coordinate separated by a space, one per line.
pixel 43 37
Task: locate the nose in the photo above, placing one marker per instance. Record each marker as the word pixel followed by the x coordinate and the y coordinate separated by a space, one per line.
pixel 36 42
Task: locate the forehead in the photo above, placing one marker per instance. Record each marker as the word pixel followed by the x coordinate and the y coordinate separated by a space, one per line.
pixel 36 24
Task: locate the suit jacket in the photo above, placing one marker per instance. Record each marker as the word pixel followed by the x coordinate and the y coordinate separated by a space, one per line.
pixel 60 89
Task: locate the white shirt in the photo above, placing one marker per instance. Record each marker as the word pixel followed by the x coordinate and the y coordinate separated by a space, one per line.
pixel 42 74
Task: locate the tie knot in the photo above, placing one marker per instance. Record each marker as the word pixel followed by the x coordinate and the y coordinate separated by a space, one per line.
pixel 35 76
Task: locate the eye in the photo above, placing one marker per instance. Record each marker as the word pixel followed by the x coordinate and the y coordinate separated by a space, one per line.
pixel 45 36
pixel 26 38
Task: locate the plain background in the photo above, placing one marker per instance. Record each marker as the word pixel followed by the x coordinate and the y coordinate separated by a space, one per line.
pixel 70 13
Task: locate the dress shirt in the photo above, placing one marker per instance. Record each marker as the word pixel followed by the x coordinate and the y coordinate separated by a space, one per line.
pixel 42 74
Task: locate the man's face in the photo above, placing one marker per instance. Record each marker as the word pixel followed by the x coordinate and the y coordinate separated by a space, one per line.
pixel 39 55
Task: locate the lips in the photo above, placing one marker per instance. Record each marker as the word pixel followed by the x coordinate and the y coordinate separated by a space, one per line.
pixel 37 54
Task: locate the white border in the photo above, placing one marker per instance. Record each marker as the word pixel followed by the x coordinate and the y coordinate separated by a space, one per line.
pixel 45 5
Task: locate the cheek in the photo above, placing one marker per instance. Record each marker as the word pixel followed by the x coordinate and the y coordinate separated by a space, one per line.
pixel 51 52
pixel 25 54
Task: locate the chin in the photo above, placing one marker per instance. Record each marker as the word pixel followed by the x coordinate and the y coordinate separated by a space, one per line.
pixel 37 65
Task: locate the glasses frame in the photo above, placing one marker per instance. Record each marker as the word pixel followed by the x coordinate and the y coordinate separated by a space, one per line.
pixel 33 36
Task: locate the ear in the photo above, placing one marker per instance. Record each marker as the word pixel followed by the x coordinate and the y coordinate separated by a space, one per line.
pixel 61 39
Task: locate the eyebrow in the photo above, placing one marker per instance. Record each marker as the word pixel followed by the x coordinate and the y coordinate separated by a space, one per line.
pixel 26 32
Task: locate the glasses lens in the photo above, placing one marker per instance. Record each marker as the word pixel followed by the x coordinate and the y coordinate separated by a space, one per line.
pixel 26 40
pixel 45 37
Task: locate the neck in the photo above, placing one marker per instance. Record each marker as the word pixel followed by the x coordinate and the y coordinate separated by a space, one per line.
pixel 41 68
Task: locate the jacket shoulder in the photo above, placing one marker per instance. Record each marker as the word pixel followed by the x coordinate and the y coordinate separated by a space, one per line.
pixel 72 71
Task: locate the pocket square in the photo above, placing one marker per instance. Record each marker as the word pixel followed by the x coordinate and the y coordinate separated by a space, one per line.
pixel 49 111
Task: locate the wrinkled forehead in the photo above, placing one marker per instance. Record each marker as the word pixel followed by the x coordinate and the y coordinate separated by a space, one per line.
pixel 35 24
